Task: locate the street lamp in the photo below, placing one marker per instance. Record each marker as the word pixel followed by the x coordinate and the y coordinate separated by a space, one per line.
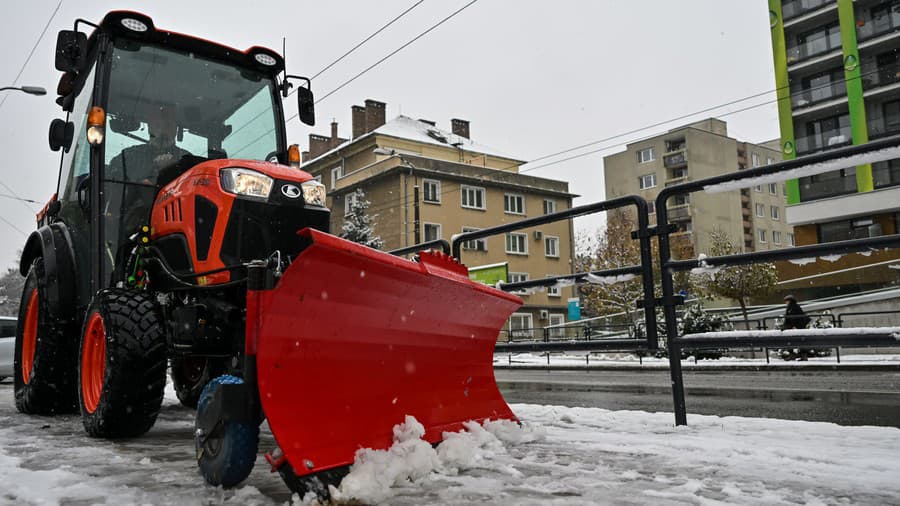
pixel 31 90
pixel 417 236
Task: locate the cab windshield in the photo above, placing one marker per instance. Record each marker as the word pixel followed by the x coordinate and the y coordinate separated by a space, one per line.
pixel 164 104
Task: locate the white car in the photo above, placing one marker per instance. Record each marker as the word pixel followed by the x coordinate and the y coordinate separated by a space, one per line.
pixel 7 345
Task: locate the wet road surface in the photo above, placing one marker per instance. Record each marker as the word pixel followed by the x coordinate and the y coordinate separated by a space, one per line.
pixel 842 397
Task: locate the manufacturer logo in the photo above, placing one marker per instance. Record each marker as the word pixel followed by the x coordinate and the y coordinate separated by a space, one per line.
pixel 290 191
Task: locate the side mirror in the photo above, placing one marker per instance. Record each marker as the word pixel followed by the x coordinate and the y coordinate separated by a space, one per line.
pixel 306 106
pixel 71 49
pixel 61 134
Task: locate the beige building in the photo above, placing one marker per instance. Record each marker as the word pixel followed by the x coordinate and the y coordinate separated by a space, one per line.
pixel 462 186
pixel 753 217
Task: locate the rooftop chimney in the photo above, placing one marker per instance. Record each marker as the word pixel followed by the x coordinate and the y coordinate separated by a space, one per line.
pixel 375 114
pixel 460 127
pixel 358 114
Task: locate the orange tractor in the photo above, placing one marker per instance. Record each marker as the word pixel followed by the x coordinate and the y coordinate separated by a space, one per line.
pixel 185 236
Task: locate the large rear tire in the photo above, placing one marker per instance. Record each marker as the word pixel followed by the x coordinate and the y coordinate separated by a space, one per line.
pixel 226 455
pixel 43 363
pixel 190 375
pixel 122 366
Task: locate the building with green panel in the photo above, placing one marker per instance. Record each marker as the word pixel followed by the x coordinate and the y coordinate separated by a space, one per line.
pixel 838 79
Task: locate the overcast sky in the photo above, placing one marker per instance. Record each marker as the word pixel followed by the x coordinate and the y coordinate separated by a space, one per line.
pixel 532 77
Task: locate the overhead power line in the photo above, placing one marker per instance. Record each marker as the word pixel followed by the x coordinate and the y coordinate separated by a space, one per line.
pixel 31 53
pixel 17 229
pixel 367 39
pixel 392 53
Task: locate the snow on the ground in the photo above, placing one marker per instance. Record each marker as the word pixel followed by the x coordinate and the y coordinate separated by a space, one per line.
pixel 559 456
pixel 632 360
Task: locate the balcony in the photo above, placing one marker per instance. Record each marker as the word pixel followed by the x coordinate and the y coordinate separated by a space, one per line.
pixel 882 126
pixel 675 160
pixel 829 184
pixel 680 213
pixel 827 139
pixel 880 25
pixel 808 97
pixel 790 10
pixel 673 146
pixel 814 47
pixel 884 76
pixel 886 173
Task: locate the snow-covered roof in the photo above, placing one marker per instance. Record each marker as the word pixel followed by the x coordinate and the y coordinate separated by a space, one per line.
pixel 404 127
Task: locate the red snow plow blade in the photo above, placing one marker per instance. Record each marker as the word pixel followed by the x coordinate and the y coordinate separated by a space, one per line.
pixel 351 340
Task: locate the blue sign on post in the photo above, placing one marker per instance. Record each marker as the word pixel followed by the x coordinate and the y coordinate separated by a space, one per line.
pixel 574 309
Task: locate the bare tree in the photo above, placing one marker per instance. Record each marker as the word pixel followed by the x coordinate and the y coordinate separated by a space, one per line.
pixel 741 282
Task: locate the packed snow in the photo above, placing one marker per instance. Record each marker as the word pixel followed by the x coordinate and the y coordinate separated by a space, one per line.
pixel 559 455
pixel 630 360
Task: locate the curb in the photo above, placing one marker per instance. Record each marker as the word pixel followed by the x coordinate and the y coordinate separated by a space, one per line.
pixel 698 368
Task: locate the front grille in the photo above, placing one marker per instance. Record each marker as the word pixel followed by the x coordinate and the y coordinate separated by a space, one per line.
pixel 256 229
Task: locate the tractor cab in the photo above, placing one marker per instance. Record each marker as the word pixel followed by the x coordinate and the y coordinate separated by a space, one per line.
pixel 145 106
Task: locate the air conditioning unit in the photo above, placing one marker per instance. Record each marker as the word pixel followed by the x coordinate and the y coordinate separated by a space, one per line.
pixel 538 235
pixel 544 314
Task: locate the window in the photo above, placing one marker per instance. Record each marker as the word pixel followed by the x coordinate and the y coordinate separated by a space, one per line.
pixel 651 207
pixel 477 244
pixel 432 231
pixel 557 319
pixel 549 206
pixel 774 212
pixel 849 229
pixel 336 173
pixel 784 189
pixel 758 188
pixel 517 244
pixel 776 237
pixel 520 325
pixel 761 234
pixel 518 277
pixel 647 181
pixel 645 155
pixel 770 161
pixel 790 238
pixel 513 204
pixel 349 202
pixel 773 188
pixel 760 210
pixel 551 246
pixel 472 197
pixel 754 157
pixel 431 191
pixel 553 291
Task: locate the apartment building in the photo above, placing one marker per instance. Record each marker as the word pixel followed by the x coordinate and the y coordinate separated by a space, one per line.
pixel 753 218
pixel 462 186
pixel 838 75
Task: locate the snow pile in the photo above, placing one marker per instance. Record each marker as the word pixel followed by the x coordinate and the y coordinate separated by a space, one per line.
pixel 410 459
pixel 802 261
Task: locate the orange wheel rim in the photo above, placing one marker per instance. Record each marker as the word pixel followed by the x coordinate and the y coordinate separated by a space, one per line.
pixel 29 336
pixel 93 362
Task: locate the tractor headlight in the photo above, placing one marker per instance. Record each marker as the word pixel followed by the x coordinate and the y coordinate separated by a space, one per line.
pixel 246 182
pixel 314 193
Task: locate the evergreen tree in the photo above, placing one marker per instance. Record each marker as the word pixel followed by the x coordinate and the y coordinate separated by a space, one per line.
pixel 358 223
pixel 11 283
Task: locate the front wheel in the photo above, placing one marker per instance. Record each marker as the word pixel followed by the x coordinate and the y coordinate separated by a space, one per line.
pixel 226 453
pixel 122 369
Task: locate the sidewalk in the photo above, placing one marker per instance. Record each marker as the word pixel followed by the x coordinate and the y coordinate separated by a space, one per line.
pixel 628 361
